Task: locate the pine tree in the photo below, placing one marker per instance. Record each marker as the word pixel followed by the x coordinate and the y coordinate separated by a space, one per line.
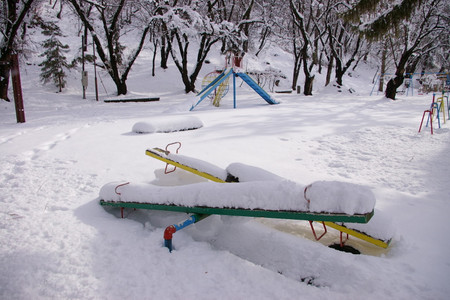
pixel 394 14
pixel 55 63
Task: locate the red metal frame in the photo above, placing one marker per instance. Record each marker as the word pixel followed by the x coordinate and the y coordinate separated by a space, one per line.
pixel 167 151
pixel 304 194
pixel 341 240
pixel 314 231
pixel 430 115
pixel 115 190
pixel 168 233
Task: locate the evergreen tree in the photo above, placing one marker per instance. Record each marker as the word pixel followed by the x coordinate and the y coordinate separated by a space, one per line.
pixel 55 63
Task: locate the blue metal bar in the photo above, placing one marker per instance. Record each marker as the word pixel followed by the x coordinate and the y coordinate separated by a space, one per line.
pixel 259 90
pixel 170 230
pixel 234 90
pixel 213 87
pixel 212 83
pixel 434 105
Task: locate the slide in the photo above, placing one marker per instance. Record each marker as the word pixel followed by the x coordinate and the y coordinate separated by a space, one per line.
pixel 257 88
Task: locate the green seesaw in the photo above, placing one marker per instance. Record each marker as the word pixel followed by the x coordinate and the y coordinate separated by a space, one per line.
pixel 120 199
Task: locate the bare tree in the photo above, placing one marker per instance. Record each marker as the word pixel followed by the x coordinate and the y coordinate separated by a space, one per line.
pixel 186 25
pixel 416 39
pixel 114 15
pixel 411 28
pixel 12 16
pixel 340 46
pixel 305 15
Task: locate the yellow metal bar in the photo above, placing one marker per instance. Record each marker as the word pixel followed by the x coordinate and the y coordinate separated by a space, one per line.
pixel 154 153
pixel 442 106
pixel 360 235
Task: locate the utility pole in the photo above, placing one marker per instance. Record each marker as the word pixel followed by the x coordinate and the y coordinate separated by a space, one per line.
pixel 84 74
pixel 17 89
pixel 95 71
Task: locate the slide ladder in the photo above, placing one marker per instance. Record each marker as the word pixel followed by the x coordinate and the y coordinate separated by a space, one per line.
pixel 259 90
pixel 212 86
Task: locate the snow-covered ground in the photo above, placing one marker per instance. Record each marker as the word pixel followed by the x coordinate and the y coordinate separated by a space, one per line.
pixel 58 242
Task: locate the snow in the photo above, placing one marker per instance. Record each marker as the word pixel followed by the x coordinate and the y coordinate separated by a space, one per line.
pixel 58 242
pixel 321 197
pixel 339 197
pixel 380 226
pixel 267 195
pixel 167 124
pixel 245 172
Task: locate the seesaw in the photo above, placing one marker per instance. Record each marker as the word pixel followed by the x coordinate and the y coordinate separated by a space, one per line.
pixel 266 196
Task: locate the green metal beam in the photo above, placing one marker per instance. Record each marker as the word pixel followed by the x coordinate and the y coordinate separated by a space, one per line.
pixel 256 213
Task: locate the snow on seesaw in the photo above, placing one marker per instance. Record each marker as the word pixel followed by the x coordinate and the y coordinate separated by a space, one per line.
pixel 58 242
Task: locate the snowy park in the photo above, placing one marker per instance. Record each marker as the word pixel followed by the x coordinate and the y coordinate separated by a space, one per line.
pixel 58 242
pixel 79 174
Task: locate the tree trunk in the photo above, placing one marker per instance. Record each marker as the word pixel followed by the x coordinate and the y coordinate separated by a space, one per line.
pixel 188 85
pixel 308 86
pixel 309 79
pixel 339 73
pixel 383 70
pixel 397 81
pixel 155 45
pixel 8 35
pixel 4 81
pixel 329 70
pixel 165 50
pixel 297 66
pixel 183 45
pixel 121 87
pixel 392 85
pixel 299 22
pixel 340 67
pixel 245 27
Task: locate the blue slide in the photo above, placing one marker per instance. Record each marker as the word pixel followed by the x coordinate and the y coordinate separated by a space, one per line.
pixel 257 88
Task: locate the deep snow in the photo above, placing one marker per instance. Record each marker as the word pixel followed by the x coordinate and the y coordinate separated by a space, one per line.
pixel 58 242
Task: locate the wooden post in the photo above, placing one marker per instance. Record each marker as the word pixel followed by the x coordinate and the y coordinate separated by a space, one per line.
pixel 17 89
pixel 95 71
pixel 83 48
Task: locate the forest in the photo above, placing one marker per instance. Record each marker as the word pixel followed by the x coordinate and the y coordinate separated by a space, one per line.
pixel 329 37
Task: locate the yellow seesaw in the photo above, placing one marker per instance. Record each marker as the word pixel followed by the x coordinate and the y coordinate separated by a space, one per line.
pixel 222 177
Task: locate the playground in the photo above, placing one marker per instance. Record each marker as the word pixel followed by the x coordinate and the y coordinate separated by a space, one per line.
pixel 419 83
pixel 59 242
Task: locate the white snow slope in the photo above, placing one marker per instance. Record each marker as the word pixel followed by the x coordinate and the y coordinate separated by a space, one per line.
pixel 58 242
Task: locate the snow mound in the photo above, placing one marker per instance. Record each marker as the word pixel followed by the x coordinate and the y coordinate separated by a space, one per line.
pixel 335 196
pixel 379 227
pixel 328 197
pixel 250 173
pixel 168 124
pixel 268 195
